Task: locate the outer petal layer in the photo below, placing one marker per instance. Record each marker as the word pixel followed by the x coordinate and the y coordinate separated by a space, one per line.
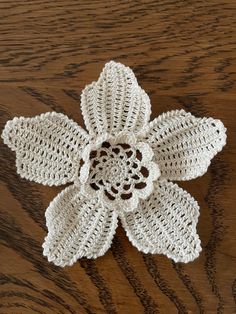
pixel 165 223
pixel 47 147
pixel 77 227
pixel 183 144
pixel 115 102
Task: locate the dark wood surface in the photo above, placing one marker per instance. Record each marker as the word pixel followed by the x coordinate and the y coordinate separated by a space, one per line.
pixel 184 55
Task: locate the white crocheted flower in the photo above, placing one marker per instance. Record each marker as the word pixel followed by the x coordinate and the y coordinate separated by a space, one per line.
pixel 120 169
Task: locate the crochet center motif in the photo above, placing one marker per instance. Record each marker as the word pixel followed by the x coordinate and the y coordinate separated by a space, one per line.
pixel 119 171
pixel 120 168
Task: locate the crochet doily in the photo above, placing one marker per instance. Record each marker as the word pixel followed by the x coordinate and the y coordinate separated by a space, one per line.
pixel 120 168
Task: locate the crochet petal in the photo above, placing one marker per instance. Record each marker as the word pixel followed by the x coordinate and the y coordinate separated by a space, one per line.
pixel 77 227
pixel 47 147
pixel 115 102
pixel 165 223
pixel 183 144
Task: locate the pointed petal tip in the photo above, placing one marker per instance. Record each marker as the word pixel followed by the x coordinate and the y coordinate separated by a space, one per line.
pixel 113 63
pixel 60 261
pixel 54 258
pixel 6 133
pixel 192 256
pixel 115 66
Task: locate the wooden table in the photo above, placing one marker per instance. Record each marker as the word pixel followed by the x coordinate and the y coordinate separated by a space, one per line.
pixel 184 56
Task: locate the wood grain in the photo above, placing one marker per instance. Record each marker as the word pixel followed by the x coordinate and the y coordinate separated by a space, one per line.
pixel 184 55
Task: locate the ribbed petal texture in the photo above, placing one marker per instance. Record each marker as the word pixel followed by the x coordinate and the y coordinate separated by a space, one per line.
pixel 47 147
pixel 183 144
pixel 77 227
pixel 165 223
pixel 115 102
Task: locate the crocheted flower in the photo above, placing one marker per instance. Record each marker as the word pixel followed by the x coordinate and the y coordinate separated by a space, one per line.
pixel 120 168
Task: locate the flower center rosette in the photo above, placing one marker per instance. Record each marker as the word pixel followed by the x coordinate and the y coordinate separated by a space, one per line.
pixel 119 170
